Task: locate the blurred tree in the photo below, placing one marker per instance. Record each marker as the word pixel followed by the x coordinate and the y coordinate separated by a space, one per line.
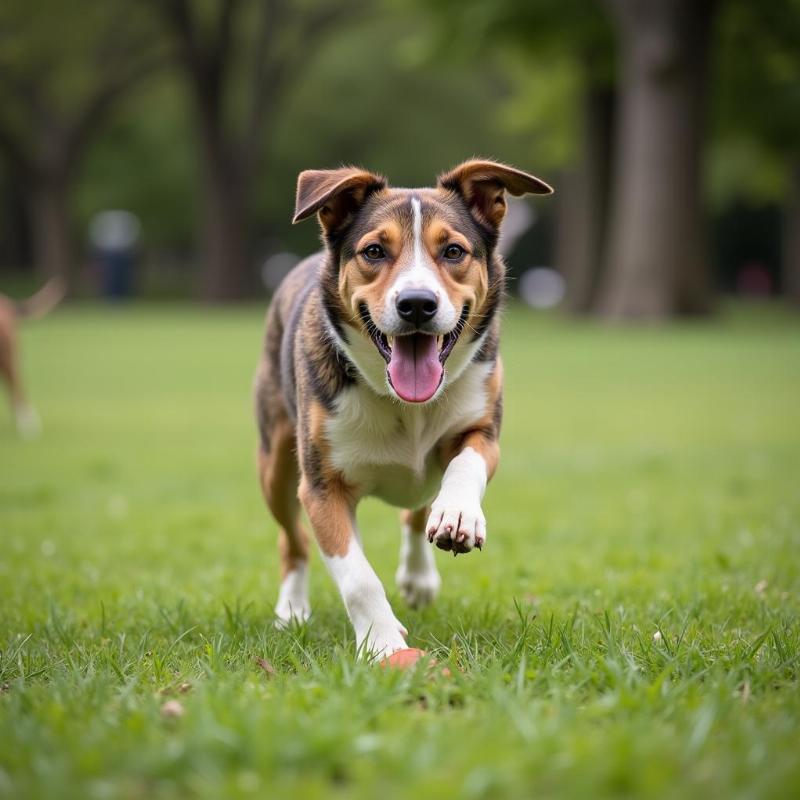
pixel 552 29
pixel 656 262
pixel 568 52
pixel 60 72
pixel 15 249
pixel 757 112
pixel 639 147
pixel 239 57
pixel 584 195
pixel 791 239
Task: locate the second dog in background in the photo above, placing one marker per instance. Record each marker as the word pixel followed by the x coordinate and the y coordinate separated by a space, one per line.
pixel 43 302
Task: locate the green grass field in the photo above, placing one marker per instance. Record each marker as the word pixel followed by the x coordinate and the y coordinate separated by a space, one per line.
pixel 631 627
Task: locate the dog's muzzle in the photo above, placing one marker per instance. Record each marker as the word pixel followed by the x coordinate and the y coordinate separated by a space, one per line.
pixel 415 360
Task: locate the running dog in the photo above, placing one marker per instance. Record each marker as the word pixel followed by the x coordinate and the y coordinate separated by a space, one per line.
pixel 380 375
pixel 45 300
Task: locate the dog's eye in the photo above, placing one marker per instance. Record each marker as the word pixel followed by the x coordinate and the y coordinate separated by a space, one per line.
pixel 454 252
pixel 374 252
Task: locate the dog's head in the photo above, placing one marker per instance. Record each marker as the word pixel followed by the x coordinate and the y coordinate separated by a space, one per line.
pixel 412 275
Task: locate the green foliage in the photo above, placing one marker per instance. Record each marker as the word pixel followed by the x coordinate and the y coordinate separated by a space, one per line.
pixel 545 106
pixel 54 62
pixel 742 166
pixel 545 28
pixel 630 629
pixel 34 44
pixel 758 73
pixel 146 162
pixel 756 98
pixel 548 51
pixel 361 96
pixel 365 99
pixel 407 89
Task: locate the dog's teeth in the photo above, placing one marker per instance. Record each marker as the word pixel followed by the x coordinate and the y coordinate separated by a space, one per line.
pixel 439 340
pixel 390 340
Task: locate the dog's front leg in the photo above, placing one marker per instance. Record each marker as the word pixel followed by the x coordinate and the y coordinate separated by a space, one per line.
pixel 332 514
pixel 456 521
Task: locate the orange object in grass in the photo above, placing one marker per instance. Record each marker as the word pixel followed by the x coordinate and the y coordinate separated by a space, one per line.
pixel 403 659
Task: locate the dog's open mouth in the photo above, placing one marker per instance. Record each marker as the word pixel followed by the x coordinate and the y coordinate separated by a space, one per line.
pixel 415 361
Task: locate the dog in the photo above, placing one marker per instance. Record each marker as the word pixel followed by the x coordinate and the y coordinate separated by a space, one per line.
pixel 43 302
pixel 380 376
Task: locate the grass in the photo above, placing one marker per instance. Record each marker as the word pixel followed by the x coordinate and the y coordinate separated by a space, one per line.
pixel 630 629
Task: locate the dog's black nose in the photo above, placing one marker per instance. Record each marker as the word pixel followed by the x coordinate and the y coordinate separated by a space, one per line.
pixel 417 305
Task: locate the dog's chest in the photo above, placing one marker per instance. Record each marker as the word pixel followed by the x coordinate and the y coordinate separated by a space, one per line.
pixel 390 450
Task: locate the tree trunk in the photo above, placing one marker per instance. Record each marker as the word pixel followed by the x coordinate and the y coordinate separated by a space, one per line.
pixel 225 269
pixel 583 202
pixel 791 241
pixel 207 62
pixel 50 225
pixel 16 234
pixel 656 262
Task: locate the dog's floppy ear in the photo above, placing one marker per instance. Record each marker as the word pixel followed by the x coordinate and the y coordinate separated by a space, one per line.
pixel 334 193
pixel 483 185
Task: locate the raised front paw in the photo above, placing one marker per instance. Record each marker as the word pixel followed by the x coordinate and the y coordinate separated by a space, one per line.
pixel 456 525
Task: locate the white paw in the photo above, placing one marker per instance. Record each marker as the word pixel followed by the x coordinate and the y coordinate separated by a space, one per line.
pixel 417 576
pixel 456 523
pixel 29 424
pixel 293 604
pixel 418 587
pixel 381 639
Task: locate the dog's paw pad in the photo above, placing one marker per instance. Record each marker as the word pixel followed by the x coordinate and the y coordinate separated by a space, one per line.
pixel 458 529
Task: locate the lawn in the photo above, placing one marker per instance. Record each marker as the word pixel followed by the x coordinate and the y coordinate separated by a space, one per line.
pixel 630 628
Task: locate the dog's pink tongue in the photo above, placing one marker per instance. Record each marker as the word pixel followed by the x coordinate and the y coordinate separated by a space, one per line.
pixel 415 369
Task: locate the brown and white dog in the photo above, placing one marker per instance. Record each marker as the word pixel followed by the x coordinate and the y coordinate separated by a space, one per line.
pixel 39 304
pixel 381 376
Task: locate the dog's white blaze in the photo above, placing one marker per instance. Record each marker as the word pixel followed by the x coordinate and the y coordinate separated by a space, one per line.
pixel 419 275
pixel 378 631
pixel 293 600
pixel 416 210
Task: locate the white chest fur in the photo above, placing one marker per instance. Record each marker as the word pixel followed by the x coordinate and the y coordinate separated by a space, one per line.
pixel 388 449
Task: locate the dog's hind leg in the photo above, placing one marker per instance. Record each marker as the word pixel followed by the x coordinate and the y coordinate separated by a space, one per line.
pixel 25 416
pixel 279 479
pixel 417 577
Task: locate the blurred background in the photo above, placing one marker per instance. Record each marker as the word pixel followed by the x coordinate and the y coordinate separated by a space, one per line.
pixel 670 129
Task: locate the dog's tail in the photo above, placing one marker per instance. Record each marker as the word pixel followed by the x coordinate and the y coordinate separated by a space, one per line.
pixel 43 301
